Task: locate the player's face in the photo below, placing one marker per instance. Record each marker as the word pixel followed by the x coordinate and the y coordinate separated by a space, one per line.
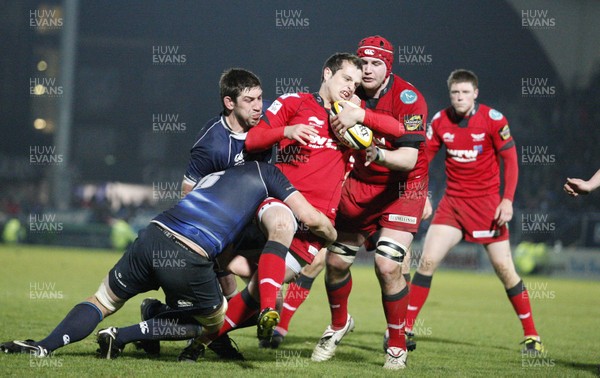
pixel 342 84
pixel 247 108
pixel 462 97
pixel 373 74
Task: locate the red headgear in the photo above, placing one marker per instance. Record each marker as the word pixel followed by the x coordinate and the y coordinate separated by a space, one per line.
pixel 377 47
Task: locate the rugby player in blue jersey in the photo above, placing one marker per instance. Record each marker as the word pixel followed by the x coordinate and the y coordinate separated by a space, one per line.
pixel 176 251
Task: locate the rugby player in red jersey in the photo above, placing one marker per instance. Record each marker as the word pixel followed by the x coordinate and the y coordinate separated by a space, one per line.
pixel 314 161
pixel 385 192
pixel 476 138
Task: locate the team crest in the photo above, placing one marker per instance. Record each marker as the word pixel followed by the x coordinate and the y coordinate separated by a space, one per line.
pixel 408 97
pixel 478 137
pixel 495 115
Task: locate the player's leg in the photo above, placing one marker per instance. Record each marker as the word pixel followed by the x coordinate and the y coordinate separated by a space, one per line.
pixel 279 224
pixel 193 295
pixel 438 242
pixel 390 251
pixel 296 294
pixel 81 321
pixel 338 283
pixel 406 267
pixel 501 259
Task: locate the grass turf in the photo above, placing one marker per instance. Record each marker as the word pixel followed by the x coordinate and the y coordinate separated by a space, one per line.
pixel 467 328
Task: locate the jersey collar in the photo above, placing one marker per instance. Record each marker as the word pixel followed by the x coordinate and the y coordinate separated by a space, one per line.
pixel 463 121
pixel 371 102
pixel 234 134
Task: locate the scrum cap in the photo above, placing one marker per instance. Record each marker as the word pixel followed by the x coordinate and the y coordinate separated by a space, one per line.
pixel 377 47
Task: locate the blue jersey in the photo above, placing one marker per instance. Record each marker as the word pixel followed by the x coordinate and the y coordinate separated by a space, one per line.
pixel 217 148
pixel 223 203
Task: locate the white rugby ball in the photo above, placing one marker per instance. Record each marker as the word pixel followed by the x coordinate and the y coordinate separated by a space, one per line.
pixel 358 136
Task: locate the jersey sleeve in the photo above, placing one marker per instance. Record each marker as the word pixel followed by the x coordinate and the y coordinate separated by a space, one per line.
pixel 413 118
pixel 504 144
pixel 270 129
pixel 383 124
pixel 278 185
pixel 202 161
pixel 499 130
pixel 433 142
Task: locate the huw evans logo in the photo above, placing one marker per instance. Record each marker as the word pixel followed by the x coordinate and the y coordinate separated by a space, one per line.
pixel 168 55
pixel 414 55
pixel 537 19
pixel 290 19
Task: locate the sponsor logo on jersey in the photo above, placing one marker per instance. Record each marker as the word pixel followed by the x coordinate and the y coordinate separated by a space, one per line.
pixel 408 97
pixel 275 106
pixel 478 137
pixel 413 122
pixel 504 132
pixel 478 148
pixel 495 115
pixel 182 303
pixel 402 219
pixel 462 156
pixel 448 137
pixel 314 121
pixel 317 142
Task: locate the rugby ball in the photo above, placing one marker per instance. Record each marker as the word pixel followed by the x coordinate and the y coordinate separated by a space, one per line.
pixel 358 136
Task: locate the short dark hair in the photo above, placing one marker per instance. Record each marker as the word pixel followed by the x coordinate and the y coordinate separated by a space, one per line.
pixel 463 76
pixel 234 81
pixel 335 62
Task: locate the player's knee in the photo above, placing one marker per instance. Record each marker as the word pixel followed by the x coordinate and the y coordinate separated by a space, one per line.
pixel 391 249
pixel 316 266
pixel 345 252
pixel 214 321
pixel 277 221
pixel 107 298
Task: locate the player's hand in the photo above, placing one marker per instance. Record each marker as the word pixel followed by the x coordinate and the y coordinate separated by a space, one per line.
pixel 504 212
pixel 427 209
pixel 347 118
pixel 370 154
pixel 301 133
pixel 575 187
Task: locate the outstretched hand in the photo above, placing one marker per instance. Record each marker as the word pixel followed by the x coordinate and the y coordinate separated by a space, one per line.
pixel 575 187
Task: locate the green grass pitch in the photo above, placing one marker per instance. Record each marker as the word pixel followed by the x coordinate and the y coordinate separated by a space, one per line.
pixel 467 328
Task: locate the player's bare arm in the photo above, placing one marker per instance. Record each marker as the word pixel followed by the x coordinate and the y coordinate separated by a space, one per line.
pixel 316 221
pixel 402 159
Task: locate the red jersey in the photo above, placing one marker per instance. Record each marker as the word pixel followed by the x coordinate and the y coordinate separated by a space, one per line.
pixel 317 170
pixel 472 145
pixel 402 101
